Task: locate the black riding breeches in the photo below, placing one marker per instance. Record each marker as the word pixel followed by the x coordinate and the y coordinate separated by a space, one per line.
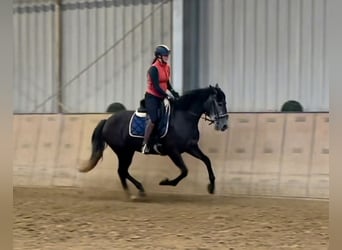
pixel 153 106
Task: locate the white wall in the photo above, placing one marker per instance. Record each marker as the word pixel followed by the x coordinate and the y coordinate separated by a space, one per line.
pixel 107 47
pixel 34 56
pixel 264 52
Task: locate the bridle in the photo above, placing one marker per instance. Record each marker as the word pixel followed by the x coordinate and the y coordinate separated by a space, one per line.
pixel 212 105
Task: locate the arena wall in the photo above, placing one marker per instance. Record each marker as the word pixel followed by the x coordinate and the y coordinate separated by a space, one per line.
pixel 267 154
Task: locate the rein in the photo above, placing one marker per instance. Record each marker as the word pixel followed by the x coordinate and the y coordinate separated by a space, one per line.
pixel 208 119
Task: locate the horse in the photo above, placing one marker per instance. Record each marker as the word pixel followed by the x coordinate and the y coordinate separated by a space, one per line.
pixel 182 135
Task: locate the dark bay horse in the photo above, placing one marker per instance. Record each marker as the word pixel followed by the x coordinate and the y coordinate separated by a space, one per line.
pixel 182 135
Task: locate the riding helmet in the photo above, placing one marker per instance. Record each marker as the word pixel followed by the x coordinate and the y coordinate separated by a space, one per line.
pixel 162 50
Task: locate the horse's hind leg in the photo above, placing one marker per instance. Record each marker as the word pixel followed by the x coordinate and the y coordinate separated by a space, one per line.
pixel 197 153
pixel 178 160
pixel 125 160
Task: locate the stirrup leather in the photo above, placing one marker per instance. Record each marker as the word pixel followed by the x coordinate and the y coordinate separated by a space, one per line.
pixel 145 149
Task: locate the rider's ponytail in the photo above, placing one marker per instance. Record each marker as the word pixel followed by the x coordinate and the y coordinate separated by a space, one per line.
pixel 154 59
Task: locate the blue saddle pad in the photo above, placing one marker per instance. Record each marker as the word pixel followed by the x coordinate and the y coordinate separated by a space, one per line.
pixel 138 122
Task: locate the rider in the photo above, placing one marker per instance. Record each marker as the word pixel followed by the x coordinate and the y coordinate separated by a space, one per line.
pixel 158 88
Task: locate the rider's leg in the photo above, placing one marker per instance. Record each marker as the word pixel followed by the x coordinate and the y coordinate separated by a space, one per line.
pixel 148 131
pixel 152 104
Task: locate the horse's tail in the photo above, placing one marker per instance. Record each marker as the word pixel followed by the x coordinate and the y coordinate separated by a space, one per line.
pixel 98 146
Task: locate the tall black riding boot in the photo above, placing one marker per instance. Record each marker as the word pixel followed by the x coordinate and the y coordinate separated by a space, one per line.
pixel 148 131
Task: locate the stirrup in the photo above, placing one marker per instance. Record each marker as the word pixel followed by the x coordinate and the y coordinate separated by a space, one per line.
pixel 156 148
pixel 145 149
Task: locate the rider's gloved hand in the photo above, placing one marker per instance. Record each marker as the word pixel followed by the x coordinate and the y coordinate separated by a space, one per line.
pixel 170 96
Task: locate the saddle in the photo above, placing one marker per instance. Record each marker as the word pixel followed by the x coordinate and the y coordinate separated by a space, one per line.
pixel 139 120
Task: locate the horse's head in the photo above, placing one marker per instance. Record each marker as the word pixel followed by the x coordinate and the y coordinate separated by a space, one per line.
pixel 215 107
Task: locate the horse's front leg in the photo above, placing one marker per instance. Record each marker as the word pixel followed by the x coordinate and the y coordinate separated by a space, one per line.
pixel 196 152
pixel 178 160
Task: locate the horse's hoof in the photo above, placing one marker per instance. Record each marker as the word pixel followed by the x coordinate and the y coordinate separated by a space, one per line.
pixel 142 194
pixel 133 197
pixel 211 188
pixel 165 182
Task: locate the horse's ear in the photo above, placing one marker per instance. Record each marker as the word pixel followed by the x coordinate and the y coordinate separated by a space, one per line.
pixel 216 86
pixel 214 89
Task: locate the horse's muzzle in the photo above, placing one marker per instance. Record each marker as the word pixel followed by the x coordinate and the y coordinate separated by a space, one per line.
pixel 224 127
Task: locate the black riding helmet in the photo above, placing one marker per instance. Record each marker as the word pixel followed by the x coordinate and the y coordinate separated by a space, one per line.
pixel 162 50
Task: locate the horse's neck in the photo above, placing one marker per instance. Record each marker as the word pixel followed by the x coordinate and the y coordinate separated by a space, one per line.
pixel 197 108
pixel 193 104
pixel 192 113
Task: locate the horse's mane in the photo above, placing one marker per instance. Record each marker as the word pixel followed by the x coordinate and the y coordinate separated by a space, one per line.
pixel 191 96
